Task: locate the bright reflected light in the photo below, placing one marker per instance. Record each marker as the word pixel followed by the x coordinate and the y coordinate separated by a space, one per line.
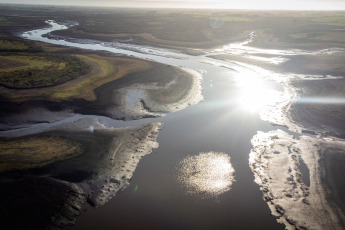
pixel 321 100
pixel 207 174
pixel 254 94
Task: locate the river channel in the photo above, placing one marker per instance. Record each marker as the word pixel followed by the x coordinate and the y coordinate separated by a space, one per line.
pixel 222 122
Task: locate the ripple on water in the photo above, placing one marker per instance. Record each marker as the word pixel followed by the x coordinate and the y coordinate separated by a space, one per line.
pixel 207 174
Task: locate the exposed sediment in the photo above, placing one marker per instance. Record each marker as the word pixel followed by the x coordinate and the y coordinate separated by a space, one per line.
pixel 116 167
pixel 109 158
pixel 151 93
pixel 274 161
pixel 275 157
pixel 106 165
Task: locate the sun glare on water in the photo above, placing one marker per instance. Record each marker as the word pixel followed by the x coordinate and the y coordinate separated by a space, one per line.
pixel 207 174
pixel 254 95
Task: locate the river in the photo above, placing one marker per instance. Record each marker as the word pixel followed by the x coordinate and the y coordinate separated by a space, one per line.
pixel 225 121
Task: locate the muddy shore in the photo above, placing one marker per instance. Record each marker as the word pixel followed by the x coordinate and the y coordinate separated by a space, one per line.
pixel 298 170
pixel 275 160
pixel 106 165
pixel 151 93
pixel 162 89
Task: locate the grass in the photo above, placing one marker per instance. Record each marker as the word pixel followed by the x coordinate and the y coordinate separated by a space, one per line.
pixel 27 62
pixel 331 20
pixel 4 21
pixel 6 45
pixel 68 75
pixel 15 44
pixel 35 152
pixel 104 70
pixel 26 70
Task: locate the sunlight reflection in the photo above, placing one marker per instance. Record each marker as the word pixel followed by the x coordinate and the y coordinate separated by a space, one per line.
pixel 207 174
pixel 254 94
pixel 321 100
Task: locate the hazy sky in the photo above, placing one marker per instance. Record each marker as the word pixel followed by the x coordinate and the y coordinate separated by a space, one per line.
pixel 225 4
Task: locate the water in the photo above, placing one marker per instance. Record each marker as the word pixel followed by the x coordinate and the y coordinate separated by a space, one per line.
pixel 304 171
pixel 155 199
pixel 161 203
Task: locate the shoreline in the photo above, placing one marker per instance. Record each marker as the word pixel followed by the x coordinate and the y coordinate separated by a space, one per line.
pixel 277 155
pixel 295 204
pixel 178 88
pixel 97 174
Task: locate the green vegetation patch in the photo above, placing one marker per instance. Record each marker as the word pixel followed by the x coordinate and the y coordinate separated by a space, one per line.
pixel 3 19
pixel 13 44
pixel 106 68
pixel 336 20
pixel 34 152
pixel 40 70
pixel 8 44
pixel 6 64
pixel 27 61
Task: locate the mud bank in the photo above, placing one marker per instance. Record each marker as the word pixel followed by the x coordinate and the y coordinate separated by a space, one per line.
pixel 162 89
pixel 152 93
pixel 295 170
pixel 114 167
pixel 275 160
pixel 106 165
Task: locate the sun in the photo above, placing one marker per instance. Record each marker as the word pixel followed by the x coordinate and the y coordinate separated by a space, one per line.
pixel 254 94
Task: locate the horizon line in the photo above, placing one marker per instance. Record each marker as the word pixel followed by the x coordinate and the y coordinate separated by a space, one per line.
pixel 166 6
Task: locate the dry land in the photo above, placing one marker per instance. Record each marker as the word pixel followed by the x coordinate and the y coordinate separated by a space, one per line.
pixel 25 71
pixel 31 152
pixel 299 202
pixel 187 28
pixel 59 73
pixel 207 28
